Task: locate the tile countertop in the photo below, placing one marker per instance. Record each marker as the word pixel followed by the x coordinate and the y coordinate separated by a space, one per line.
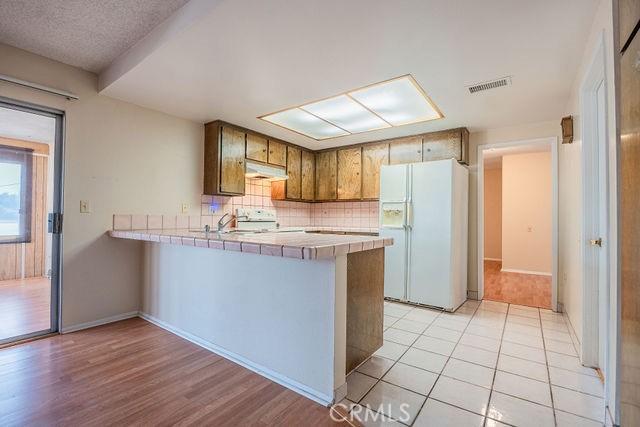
pixel 287 244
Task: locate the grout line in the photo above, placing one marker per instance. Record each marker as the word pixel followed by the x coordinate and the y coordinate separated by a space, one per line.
pixel 495 371
pixel 553 407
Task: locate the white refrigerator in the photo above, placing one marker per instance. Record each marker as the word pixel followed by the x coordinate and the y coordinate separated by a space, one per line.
pixel 424 208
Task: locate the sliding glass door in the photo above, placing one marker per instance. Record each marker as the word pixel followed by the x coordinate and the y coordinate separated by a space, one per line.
pixel 30 210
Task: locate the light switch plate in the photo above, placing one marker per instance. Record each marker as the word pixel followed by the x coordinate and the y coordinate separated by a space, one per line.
pixel 184 208
pixel 85 207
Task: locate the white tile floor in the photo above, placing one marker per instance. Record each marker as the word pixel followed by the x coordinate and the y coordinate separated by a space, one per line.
pixel 488 364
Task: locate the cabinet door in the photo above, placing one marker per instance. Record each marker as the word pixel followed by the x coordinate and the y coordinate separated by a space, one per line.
pixel 232 152
pixel 256 148
pixel 326 169
pixel 294 170
pixel 406 150
pixel 349 173
pixel 373 156
pixel 308 175
pixel 445 145
pixel 277 153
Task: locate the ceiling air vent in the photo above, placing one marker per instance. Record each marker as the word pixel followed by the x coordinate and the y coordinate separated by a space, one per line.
pixel 493 84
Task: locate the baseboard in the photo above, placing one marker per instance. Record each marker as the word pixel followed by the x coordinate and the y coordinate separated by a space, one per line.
pixel 537 273
pixel 103 321
pixel 493 259
pixel 265 372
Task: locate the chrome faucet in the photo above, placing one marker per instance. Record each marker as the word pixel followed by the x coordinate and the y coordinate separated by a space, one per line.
pixel 222 224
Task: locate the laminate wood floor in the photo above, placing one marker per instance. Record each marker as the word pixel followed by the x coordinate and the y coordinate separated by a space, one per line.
pixel 516 288
pixel 24 306
pixel 134 373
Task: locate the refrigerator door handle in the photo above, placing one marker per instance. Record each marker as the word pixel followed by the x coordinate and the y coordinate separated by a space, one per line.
pixel 409 215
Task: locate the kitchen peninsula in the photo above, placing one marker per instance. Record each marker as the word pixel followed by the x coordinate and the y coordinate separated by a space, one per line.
pixel 301 309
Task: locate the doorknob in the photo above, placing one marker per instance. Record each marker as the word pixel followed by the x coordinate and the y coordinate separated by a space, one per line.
pixel 596 242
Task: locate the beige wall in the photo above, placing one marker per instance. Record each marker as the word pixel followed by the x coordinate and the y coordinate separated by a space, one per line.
pixel 493 214
pixel 120 157
pixel 527 213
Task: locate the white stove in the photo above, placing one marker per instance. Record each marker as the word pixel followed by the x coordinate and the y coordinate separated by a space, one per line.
pixel 260 221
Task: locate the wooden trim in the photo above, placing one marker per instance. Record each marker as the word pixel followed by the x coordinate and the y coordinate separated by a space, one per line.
pixel 37 147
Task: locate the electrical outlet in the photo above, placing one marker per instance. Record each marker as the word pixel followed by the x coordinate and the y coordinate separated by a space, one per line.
pixel 184 208
pixel 85 207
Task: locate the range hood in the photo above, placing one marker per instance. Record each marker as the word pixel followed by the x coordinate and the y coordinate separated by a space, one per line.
pixel 260 170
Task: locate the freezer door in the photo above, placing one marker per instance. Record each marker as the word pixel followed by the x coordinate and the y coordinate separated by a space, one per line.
pixel 393 183
pixel 395 263
pixel 429 276
pixel 393 198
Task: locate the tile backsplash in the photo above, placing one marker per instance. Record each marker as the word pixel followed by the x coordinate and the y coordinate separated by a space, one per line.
pixel 258 195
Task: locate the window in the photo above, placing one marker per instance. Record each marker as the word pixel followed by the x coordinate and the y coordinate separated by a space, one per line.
pixel 15 194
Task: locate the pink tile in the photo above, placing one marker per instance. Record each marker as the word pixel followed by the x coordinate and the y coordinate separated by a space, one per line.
pixel 182 221
pixel 367 245
pixel 206 199
pixel 154 222
pixel 273 250
pixel 309 253
pixel 165 239
pixel 122 222
pixel 355 247
pixel 202 243
pixel 168 221
pixel 253 248
pixel 188 241
pixel 325 251
pixel 216 244
pixel 206 220
pixel 232 246
pixel 194 221
pixel 341 249
pixel 176 240
pixel 139 222
pixel 291 252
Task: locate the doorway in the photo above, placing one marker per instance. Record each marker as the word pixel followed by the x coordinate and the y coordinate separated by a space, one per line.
pixel 30 195
pixel 517 222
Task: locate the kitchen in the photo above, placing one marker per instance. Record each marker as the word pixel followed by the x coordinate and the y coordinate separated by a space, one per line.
pixel 249 181
pixel 276 213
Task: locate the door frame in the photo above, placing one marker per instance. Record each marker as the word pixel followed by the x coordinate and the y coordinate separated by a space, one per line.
pixel 58 189
pixel 552 142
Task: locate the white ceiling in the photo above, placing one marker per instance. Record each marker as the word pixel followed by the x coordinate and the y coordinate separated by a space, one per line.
pixel 85 33
pixel 27 126
pixel 236 60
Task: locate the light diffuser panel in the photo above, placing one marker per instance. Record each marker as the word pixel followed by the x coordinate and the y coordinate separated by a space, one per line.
pixel 346 113
pixel 397 101
pixel 302 122
pixel 391 103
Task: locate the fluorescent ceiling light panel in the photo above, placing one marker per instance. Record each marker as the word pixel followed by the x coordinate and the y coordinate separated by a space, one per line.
pixel 346 113
pixel 394 102
pixel 305 123
pixel 398 102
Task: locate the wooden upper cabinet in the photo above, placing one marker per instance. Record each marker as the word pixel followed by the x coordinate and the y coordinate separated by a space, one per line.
pixel 232 166
pixel 373 156
pixel 326 175
pixel 350 173
pixel 294 171
pixel 308 175
pixel 277 153
pixel 405 150
pixel 257 147
pixel 448 144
